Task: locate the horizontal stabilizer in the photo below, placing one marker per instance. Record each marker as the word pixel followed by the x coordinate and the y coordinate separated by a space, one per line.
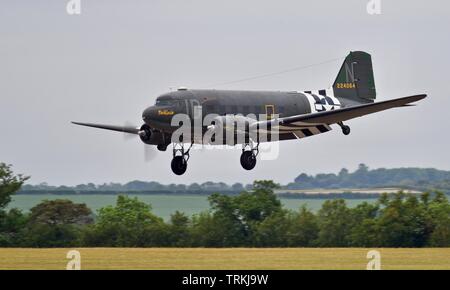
pixel 344 114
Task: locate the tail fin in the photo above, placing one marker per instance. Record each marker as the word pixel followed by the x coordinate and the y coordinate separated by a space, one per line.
pixel 355 79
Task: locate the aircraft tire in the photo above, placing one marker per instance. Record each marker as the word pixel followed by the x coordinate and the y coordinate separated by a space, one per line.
pixel 179 165
pixel 248 160
pixel 346 130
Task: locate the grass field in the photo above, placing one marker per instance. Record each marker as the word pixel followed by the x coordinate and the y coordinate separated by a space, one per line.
pixel 234 258
pixel 163 204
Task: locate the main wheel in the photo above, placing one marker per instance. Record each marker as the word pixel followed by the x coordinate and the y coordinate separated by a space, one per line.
pixel 179 165
pixel 248 160
pixel 345 130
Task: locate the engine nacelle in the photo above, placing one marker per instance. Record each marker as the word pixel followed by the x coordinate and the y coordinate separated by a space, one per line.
pixel 151 136
pixel 145 133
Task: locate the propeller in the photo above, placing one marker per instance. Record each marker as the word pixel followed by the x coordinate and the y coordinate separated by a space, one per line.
pixel 149 151
pixel 127 136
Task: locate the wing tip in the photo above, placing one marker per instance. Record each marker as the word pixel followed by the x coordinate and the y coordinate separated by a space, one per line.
pixel 79 123
pixel 421 96
pixel 414 98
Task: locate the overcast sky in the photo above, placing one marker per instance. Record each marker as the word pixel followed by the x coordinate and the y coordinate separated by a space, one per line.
pixel 109 63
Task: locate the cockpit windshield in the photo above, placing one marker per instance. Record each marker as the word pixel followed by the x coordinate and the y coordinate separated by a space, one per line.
pixel 164 102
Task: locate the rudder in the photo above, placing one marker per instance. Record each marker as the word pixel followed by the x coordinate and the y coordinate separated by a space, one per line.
pixel 355 80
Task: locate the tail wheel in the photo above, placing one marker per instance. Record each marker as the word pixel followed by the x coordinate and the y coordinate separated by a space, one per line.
pixel 345 130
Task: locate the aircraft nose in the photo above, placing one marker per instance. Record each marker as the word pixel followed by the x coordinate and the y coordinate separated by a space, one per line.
pixel 149 114
pixel 158 117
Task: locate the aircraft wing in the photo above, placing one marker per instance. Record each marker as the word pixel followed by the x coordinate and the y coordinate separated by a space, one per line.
pixel 316 123
pixel 124 129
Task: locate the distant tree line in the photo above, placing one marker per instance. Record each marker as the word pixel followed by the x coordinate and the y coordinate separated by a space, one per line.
pixel 421 179
pixel 253 218
pixel 411 178
pixel 135 186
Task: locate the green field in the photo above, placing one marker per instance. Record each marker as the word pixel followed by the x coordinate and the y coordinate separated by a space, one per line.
pixel 229 258
pixel 163 204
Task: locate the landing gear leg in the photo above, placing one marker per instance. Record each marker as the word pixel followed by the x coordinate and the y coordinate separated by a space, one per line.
pixel 345 128
pixel 248 157
pixel 180 158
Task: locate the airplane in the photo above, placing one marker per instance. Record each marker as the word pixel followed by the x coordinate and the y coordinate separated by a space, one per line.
pixel 291 114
